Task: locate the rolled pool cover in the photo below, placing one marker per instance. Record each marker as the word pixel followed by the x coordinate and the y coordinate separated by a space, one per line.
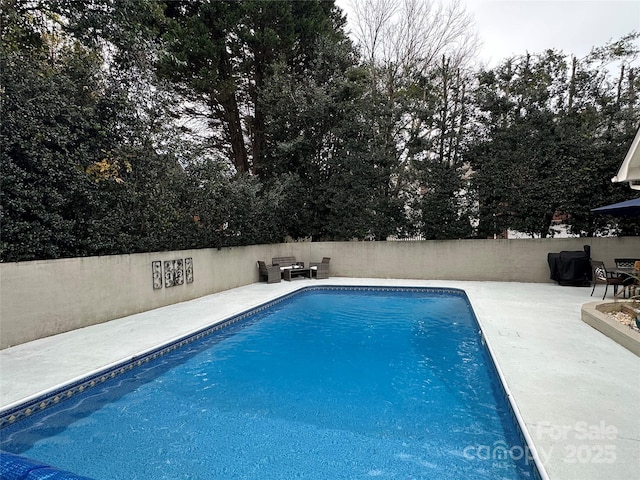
pixel 15 467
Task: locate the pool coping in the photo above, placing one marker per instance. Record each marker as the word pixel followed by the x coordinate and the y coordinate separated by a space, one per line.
pixel 531 452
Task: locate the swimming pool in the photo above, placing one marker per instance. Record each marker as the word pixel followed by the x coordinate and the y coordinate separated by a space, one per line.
pixel 326 383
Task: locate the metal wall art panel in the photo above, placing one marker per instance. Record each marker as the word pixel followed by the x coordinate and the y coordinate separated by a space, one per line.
pixel 178 272
pixel 188 269
pixel 175 272
pixel 168 273
pixel 156 272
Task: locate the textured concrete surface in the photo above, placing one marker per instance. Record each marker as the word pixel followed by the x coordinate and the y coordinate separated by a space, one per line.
pixel 576 390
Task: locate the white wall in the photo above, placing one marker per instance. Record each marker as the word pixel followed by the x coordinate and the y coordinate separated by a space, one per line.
pixel 43 298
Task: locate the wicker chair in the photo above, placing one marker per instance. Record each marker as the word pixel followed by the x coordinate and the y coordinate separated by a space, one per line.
pixel 320 269
pixel 602 277
pixel 269 272
pixel 286 262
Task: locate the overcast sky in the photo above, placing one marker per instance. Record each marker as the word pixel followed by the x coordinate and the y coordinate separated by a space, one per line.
pixel 508 27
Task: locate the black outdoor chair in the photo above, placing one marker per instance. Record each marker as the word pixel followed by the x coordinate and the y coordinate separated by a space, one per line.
pixel 602 277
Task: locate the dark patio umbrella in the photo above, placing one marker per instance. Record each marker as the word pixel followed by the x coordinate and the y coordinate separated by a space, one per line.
pixel 628 208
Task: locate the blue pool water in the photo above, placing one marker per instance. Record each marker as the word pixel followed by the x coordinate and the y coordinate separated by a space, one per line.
pixel 328 384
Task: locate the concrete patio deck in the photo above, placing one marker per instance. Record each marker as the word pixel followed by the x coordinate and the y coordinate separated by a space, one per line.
pixel 576 390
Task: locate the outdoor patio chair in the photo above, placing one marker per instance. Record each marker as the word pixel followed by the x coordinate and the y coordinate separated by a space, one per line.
pixel 631 285
pixel 269 272
pixel 602 277
pixel 321 269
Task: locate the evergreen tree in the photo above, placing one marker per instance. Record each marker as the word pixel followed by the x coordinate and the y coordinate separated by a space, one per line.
pixel 549 137
pixel 224 52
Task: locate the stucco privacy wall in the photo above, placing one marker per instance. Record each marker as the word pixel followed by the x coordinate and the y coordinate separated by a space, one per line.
pixel 43 298
pixel 522 260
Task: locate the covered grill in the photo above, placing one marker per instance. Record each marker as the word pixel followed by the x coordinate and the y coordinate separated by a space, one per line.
pixel 571 268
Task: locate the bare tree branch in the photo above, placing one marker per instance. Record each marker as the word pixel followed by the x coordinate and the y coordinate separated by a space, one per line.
pixel 411 35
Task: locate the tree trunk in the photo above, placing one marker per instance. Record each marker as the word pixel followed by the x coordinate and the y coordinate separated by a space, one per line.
pixel 257 127
pixel 227 100
pixel 572 83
